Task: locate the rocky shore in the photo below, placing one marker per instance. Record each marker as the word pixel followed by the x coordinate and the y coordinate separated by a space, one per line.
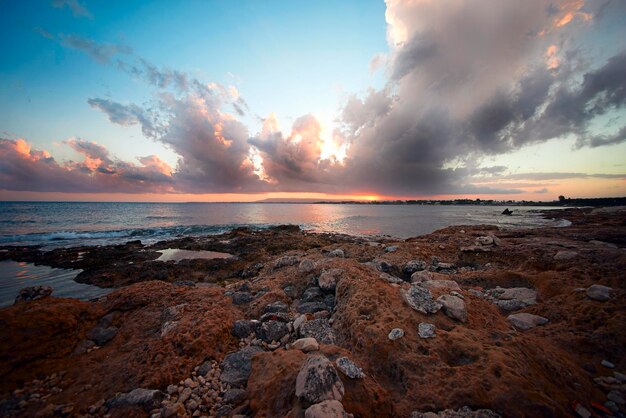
pixel 469 321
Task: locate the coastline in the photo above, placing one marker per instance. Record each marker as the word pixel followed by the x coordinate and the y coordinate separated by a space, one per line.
pixel 170 318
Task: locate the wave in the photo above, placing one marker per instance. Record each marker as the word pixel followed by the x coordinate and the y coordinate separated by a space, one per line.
pixel 74 238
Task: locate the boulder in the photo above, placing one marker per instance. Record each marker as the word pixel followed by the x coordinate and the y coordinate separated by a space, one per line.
pixel 273 331
pixel 413 266
pixel 306 345
pixel 426 330
pixel 243 328
pixel 421 276
pixel 318 380
pixel 327 409
pixel 319 329
pixel 236 366
pixel 525 321
pixel 347 367
pixel 599 292
pixel 420 299
pixel 454 307
pixel 33 293
pixel 241 298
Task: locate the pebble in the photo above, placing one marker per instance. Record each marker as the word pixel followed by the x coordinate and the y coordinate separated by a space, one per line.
pixel 426 330
pixel 396 333
pixel 347 367
pixel 599 292
pixel 337 253
pixel 607 364
pixel 391 249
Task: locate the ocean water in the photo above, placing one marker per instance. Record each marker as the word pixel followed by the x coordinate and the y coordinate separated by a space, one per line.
pixel 54 224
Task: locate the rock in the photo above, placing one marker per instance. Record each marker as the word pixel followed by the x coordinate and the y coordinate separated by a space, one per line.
pixel 420 299
pixel 524 294
pixel 477 293
pixel 441 284
pixel 327 409
pixel 454 307
pixel 329 301
pixel 27 294
pixel 421 276
pixel 184 283
pixel 321 314
pixel 319 329
pixel 396 333
pixel 612 406
pixel 172 410
pixel 486 240
pixel 615 396
pixel 565 255
pixel 311 307
pixel 252 270
pixel 83 346
pixel 426 330
pixel 273 331
pixel 390 279
pixel 171 389
pixel 318 380
pixel 306 266
pixel 184 395
pixel 525 321
pixel 599 292
pixel 347 367
pixel 607 364
pixel 391 249
pixel 101 336
pixel 241 298
pixel 511 305
pixel 445 267
pixel 290 291
pixel 464 412
pixel 275 316
pixel 413 266
pixel 328 279
pixel 277 306
pixel 384 266
pixel 167 327
pixel 621 377
pixel 337 253
pixel 145 398
pixel 288 260
pixel 306 345
pixel 297 323
pixel 234 396
pixel 312 294
pixel 205 368
pixel 243 328
pixel 236 366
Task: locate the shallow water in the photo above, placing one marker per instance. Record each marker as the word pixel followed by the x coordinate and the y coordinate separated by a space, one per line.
pixel 17 275
pixel 175 254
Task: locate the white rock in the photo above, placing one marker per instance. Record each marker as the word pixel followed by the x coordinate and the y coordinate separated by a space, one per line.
pixel 426 330
pixel 326 409
pixel 454 307
pixel 306 345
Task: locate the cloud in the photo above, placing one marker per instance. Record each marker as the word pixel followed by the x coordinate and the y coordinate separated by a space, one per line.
pixel 78 9
pixel 101 52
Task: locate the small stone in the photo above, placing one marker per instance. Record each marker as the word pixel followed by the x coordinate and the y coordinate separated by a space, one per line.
pixel 391 249
pixel 612 406
pixel 306 345
pixel 620 377
pixel 391 279
pixel 306 266
pixel 192 405
pixel 242 328
pixel 171 389
pixel 242 298
pixel 327 409
pixel 525 321
pixel 172 410
pixel 318 380
pixel 319 329
pixel 272 331
pixel 274 316
pixel 184 395
pixel 607 364
pixel 347 367
pixel 329 278
pixel 441 284
pixel 413 266
pixel 396 333
pixel 486 240
pixel 454 307
pixel 297 323
pixel 565 255
pixel 288 260
pixel 599 292
pixel 426 330
pixel 337 253
pixel 278 306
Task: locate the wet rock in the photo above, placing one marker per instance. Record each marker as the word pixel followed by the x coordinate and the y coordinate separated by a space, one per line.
pixel 312 294
pixel 306 266
pixel 426 330
pixel 101 336
pixel 33 293
pixel 396 333
pixel 288 260
pixel 337 253
pixel 145 398
pixel 318 380
pixel 347 367
pixel 420 299
pixel 234 396
pixel 327 409
pixel 273 331
pixel 319 329
pixel 306 345
pixel 599 292
pixel 414 266
pixel 525 321
pixel 236 366
pixel 329 278
pixel 277 306
pixel 241 298
pixel 454 307
pixel 390 279
pixel 391 249
pixel 441 284
pixel 565 255
pixel 311 307
pixel 243 328
pixel 421 276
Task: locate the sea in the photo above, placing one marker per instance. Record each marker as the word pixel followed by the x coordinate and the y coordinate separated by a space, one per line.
pixel 68 224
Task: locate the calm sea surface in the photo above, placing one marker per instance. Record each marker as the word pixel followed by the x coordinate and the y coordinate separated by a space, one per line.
pixel 71 224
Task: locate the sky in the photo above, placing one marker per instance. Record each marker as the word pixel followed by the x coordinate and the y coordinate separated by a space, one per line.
pixel 353 99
